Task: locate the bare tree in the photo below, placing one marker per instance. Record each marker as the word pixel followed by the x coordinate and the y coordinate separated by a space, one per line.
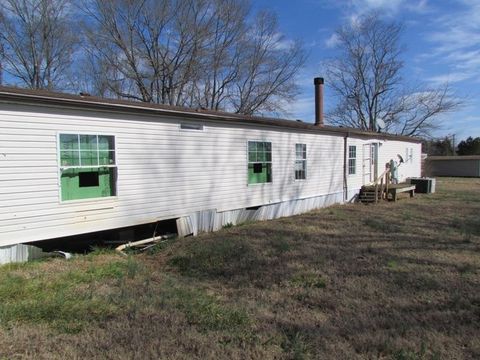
pixel 249 67
pixel 150 49
pixel 38 39
pixel 418 110
pixel 267 69
pixel 197 53
pixel 366 77
pixel 221 58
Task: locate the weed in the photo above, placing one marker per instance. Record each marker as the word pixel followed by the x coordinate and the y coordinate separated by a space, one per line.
pixel 21 266
pixel 467 238
pixel 114 269
pixel 280 245
pixel 132 267
pixel 338 213
pixel 227 225
pixel 37 301
pixel 58 300
pixel 308 280
pixel 98 251
pixel 382 225
pixel 468 226
pixel 465 269
pixel 392 264
pixel 407 215
pixel 404 354
pixel 220 257
pixel 161 245
pixel 205 311
pixel 295 344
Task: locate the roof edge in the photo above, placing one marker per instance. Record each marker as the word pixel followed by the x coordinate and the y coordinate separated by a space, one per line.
pixel 93 102
pixel 457 157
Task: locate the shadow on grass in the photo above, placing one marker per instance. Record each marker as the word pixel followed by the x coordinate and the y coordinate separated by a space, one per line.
pixel 233 258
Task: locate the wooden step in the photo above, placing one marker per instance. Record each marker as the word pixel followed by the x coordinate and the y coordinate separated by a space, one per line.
pixel 367 195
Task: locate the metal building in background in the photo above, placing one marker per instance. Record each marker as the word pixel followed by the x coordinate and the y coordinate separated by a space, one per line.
pixel 466 166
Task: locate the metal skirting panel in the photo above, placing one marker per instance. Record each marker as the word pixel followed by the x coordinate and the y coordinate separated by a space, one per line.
pixel 18 253
pixel 211 220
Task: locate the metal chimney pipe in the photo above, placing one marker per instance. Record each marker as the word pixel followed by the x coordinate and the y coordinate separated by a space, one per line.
pixel 318 82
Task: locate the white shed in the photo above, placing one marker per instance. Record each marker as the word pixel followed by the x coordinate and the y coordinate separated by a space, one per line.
pixel 71 165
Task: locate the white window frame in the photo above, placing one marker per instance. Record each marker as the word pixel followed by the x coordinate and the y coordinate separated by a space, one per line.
pixel 302 160
pixel 350 158
pixel 249 162
pixel 60 167
pixel 408 154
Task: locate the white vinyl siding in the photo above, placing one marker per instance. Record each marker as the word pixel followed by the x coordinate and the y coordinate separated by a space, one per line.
pixel 162 172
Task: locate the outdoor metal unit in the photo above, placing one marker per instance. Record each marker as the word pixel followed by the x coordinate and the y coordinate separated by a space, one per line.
pixel 423 185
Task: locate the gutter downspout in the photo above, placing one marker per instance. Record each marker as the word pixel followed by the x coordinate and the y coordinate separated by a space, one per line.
pixel 345 167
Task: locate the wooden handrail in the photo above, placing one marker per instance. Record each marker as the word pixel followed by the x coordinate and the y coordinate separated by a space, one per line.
pixel 387 171
pixel 385 175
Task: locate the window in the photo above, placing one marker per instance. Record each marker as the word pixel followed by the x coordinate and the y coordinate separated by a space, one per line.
pixel 373 153
pixel 259 162
pixel 300 161
pixel 87 166
pixel 408 154
pixel 185 126
pixel 352 160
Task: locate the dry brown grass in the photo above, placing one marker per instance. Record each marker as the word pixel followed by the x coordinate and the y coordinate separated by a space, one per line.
pixel 392 281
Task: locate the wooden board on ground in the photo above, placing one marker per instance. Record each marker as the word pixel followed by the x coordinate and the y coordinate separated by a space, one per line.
pixel 395 189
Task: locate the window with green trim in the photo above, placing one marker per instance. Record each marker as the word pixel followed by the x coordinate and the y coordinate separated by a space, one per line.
pixel 300 161
pixel 87 166
pixel 259 162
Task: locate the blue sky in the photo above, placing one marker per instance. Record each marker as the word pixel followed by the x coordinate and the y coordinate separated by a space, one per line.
pixel 441 39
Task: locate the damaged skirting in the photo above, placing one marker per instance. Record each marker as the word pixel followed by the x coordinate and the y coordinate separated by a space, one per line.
pixel 211 220
pixel 18 253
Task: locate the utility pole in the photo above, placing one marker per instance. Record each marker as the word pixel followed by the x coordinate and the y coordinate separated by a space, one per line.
pixel 453 141
pixel 1 63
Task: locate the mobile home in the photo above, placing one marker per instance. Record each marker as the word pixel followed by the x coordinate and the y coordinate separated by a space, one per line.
pixel 79 164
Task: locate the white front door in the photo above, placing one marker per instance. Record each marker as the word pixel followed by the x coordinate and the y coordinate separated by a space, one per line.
pixel 367 164
pixel 375 161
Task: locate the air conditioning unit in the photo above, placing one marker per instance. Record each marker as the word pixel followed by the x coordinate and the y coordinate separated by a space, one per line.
pixel 423 185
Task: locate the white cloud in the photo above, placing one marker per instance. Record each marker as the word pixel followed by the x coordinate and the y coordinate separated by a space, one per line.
pixel 462 124
pixel 456 42
pixel 332 41
pixel 282 43
pixel 450 78
pixel 420 7
pixel 356 8
pixel 377 4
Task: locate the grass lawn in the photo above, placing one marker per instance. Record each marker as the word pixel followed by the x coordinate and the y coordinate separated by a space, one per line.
pixel 389 281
